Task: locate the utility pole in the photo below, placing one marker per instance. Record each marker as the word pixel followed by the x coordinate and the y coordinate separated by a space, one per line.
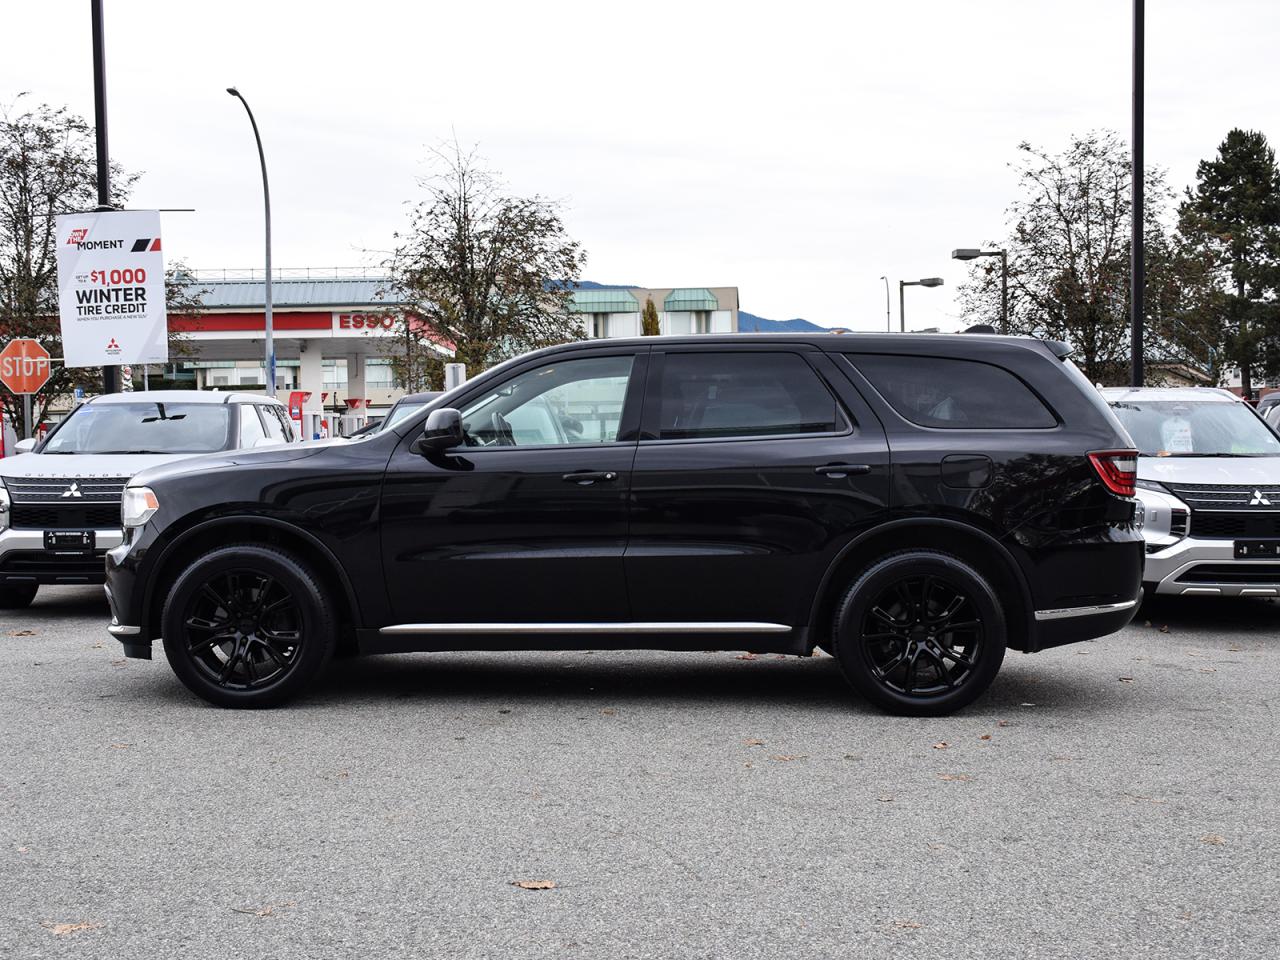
pixel 1137 279
pixel 110 374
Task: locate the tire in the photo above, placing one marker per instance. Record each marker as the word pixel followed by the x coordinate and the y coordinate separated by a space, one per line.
pixel 17 596
pixel 248 625
pixel 898 646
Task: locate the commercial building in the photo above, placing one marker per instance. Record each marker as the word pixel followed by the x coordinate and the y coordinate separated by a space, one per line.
pixel 616 311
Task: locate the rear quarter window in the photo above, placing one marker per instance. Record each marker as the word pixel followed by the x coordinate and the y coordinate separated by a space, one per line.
pixel 947 393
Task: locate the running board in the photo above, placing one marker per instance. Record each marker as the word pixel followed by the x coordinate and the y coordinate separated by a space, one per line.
pixel 597 629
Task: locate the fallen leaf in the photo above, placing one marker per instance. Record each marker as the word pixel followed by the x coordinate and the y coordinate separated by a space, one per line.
pixel 1126 679
pixel 885 799
pixel 784 757
pixel 907 924
pixel 267 911
pixel 1002 723
pixel 534 884
pixel 1235 649
pixel 121 746
pixel 1208 669
pixel 504 711
pixel 1135 798
pixel 120 663
pixel 853 756
pixel 1165 628
pixel 62 929
pixel 746 656
pixel 985 736
pixel 608 712
pixel 22 633
pixel 1146 623
pixel 1213 838
pixel 753 742
pixel 941 745
pixel 955 777
pixel 343 774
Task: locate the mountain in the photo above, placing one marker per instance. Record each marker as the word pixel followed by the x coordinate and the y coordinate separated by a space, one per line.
pixel 750 323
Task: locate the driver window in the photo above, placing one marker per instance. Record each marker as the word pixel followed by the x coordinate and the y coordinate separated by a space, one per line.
pixel 575 401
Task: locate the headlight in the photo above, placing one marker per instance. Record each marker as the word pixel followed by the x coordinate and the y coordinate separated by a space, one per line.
pixel 139 506
pixel 4 506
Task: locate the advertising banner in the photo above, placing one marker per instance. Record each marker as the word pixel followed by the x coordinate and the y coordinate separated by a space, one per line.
pixel 111 288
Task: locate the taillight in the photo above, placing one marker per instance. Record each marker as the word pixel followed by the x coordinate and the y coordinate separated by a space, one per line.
pixel 1118 470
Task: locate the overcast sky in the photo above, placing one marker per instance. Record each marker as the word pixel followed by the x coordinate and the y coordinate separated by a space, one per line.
pixel 798 151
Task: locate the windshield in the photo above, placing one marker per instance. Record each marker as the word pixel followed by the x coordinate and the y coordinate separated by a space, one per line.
pixel 400 412
pixel 1181 428
pixel 150 427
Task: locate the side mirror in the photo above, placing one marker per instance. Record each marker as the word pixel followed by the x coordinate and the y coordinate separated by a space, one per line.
pixel 442 431
pixel 25 446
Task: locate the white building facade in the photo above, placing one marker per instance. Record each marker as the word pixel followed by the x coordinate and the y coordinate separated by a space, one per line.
pixel 617 311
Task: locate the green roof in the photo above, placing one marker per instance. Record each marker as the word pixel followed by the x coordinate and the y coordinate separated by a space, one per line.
pixel 603 301
pixel 690 298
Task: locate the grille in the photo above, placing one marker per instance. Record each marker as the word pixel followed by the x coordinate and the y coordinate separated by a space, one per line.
pixel 41 517
pixel 39 503
pixel 1227 496
pixel 1232 573
pixel 1235 524
pixel 66 567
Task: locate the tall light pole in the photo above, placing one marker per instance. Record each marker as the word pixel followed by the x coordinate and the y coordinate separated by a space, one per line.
pixel 1137 256
pixel 269 345
pixel 110 374
pixel 902 300
pixel 888 317
pixel 972 253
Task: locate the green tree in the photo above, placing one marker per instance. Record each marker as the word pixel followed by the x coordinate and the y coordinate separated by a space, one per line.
pixel 1069 249
pixel 1231 219
pixel 649 325
pixel 488 272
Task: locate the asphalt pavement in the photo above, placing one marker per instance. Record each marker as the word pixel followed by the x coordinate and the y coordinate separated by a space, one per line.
pixel 1108 799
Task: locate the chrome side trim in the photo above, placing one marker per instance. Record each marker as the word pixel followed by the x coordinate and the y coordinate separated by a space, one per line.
pixel 400 629
pixel 1064 612
pixel 121 630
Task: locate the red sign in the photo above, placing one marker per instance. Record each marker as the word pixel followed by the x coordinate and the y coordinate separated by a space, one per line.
pixel 24 366
pixel 296 399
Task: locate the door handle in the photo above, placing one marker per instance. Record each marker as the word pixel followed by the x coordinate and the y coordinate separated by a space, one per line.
pixel 584 478
pixel 838 471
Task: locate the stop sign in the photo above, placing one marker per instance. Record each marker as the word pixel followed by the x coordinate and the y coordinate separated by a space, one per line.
pixel 24 366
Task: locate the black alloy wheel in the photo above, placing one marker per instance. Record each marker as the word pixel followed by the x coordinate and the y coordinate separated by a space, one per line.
pixel 920 632
pixel 247 626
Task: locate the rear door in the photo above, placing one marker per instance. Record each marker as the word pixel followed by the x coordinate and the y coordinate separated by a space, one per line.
pixel 756 464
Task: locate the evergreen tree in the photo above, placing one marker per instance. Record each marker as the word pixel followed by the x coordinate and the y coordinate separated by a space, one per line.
pixel 649 325
pixel 1232 218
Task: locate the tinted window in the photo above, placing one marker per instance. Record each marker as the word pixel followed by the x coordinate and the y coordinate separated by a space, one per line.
pixel 743 395
pixel 250 426
pixel 142 427
pixel 275 429
pixel 573 401
pixel 956 394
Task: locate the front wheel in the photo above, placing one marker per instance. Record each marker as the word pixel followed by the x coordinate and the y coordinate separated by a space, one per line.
pixel 920 633
pixel 17 597
pixel 248 626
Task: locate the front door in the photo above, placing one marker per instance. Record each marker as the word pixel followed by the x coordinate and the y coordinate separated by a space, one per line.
pixel 755 466
pixel 527 522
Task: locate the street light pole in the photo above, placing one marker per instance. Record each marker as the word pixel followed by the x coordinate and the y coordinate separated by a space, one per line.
pixel 973 253
pixel 1137 263
pixel 269 346
pixel 888 316
pixel 902 302
pixel 110 374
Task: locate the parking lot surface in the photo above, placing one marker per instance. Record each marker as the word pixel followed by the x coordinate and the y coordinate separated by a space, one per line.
pixel 1112 798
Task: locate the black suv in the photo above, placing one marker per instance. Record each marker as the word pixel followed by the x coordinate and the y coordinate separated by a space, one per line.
pixel 911 504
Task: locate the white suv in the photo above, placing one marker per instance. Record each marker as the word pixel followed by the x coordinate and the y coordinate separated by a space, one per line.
pixel 60 499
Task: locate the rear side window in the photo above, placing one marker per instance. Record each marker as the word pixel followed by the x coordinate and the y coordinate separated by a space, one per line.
pixel 250 426
pixel 707 395
pixel 955 394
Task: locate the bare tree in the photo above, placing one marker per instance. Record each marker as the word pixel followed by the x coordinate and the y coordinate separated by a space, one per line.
pixel 489 273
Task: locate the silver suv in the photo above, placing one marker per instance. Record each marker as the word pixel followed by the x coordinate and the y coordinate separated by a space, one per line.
pixel 1209 482
pixel 60 500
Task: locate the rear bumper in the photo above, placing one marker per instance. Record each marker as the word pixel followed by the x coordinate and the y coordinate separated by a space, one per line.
pixel 1072 624
pixel 24 559
pixel 1195 567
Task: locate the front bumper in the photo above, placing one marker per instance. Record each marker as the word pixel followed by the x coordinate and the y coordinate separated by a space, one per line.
pixel 1195 567
pixel 24 559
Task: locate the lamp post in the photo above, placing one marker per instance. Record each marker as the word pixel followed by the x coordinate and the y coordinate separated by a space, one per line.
pixel 1137 256
pixel 972 253
pixel 268 343
pixel 888 317
pixel 902 300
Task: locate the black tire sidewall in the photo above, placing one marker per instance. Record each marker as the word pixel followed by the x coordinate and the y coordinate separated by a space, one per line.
pixel 854 658
pixel 318 622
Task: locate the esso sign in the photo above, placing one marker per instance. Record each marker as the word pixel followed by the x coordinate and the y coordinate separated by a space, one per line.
pixel 24 366
pixel 363 321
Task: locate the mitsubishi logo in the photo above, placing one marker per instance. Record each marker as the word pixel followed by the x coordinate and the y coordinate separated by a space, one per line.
pixel 73 490
pixel 1259 500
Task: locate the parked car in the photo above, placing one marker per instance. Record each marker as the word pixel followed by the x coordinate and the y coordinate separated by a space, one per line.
pixel 60 499
pixel 1209 482
pixel 403 408
pixel 912 504
pixel 1268 403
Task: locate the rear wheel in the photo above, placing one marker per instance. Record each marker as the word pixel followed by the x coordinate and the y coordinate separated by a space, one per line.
pixel 17 596
pixel 248 626
pixel 920 633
